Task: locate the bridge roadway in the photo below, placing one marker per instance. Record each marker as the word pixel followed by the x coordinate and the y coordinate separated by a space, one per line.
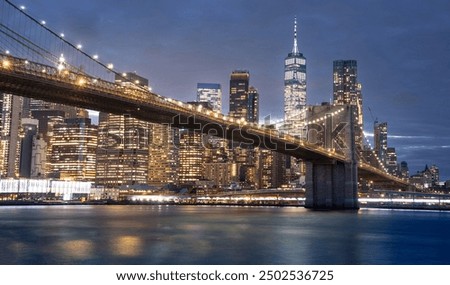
pixel 28 79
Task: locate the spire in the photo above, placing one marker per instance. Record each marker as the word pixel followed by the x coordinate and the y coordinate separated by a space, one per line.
pixel 295 48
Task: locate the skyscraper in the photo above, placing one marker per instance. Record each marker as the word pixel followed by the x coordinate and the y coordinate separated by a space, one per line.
pixel 191 155
pixel 10 131
pixel 347 90
pixel 123 149
pixel 239 84
pixel 253 105
pixel 73 150
pixel 295 89
pixel 211 93
pixel 380 140
pixel 163 155
pixel 244 104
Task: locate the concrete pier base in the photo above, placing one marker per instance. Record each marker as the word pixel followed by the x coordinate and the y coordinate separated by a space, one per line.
pixel 331 185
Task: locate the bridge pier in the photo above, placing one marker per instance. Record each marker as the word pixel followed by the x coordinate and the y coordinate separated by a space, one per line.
pixel 331 185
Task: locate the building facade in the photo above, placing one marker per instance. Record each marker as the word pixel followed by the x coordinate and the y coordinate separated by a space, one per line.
pixel 211 93
pixel 73 150
pixel 163 155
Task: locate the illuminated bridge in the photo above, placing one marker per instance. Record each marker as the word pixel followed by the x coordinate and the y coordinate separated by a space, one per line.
pixel 36 62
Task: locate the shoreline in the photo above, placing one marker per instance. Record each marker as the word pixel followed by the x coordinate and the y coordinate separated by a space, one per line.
pixel 112 203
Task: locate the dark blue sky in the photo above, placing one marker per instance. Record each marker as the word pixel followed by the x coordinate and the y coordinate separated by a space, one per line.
pixel 402 48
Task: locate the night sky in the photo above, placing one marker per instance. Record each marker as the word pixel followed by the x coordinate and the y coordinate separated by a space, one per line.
pixel 402 48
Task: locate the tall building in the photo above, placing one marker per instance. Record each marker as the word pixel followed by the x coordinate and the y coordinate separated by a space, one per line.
pixel 244 104
pixel 211 93
pixel 10 132
pixel 239 85
pixel 391 161
pixel 295 90
pixel 244 99
pixel 253 105
pixel 191 157
pixel 123 148
pixel 347 90
pixel 73 150
pixel 30 132
pixel 380 140
pixel 163 155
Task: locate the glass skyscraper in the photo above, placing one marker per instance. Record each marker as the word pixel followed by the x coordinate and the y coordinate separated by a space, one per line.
pixel 295 89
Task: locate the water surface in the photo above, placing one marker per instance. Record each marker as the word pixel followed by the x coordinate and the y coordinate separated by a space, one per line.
pixel 220 235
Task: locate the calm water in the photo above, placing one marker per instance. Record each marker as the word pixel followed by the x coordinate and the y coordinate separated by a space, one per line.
pixel 220 235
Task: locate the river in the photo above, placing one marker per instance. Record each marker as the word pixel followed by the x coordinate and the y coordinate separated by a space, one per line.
pixel 152 234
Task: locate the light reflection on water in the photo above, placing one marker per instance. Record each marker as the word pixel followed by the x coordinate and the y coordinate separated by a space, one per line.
pixel 220 235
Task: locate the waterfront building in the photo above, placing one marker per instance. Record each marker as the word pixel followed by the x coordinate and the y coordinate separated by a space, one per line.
pixel 426 179
pixel 347 90
pixel 123 149
pixel 73 150
pixel 211 93
pixel 295 90
pixel 10 132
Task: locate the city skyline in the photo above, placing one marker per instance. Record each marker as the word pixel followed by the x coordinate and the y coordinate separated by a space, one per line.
pixel 402 70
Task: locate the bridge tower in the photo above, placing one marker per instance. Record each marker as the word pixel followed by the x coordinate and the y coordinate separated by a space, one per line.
pixel 332 184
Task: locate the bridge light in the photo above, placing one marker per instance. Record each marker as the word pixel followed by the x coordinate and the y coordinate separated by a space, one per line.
pixel 6 63
pixel 95 56
pixel 61 35
pixel 81 81
pixel 43 22
pixel 7 51
pixel 79 46
pixel 110 66
pixel 22 7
